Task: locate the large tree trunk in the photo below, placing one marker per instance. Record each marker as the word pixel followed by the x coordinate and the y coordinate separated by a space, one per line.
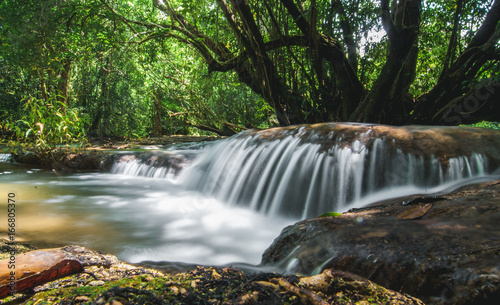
pixel 384 102
pixel 157 113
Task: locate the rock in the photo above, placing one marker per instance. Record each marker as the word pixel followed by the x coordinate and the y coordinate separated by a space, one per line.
pixel 213 286
pixel 335 285
pixel 27 270
pixel 445 251
pixel 82 299
pixel 63 162
pixel 43 270
pixel 443 142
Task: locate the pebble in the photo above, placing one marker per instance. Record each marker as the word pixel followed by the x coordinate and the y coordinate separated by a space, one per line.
pixel 96 283
pixel 195 283
pixel 82 298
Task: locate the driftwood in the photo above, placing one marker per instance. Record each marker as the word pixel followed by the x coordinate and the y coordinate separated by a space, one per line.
pixel 28 270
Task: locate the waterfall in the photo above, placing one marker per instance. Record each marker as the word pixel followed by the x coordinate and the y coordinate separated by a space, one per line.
pixel 5 157
pixel 163 164
pixel 307 170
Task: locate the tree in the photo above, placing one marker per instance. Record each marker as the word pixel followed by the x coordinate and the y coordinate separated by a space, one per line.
pixel 304 57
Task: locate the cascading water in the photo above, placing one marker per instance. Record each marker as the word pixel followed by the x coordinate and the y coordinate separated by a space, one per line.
pixel 151 165
pixel 5 157
pixel 307 170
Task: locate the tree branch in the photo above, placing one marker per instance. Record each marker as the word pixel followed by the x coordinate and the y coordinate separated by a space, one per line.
pixel 487 29
pixel 297 16
pixel 352 47
pixel 389 26
pixel 450 53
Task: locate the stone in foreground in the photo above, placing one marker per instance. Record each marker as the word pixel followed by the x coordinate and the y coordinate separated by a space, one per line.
pixel 28 270
pixel 440 249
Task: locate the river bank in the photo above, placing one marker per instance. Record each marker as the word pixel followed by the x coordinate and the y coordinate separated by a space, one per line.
pixel 103 279
pixel 94 156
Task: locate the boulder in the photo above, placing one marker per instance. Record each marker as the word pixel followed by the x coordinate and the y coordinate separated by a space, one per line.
pixel 442 249
pixel 442 141
pixel 27 270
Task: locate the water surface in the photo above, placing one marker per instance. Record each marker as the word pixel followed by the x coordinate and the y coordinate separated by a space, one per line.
pixel 135 218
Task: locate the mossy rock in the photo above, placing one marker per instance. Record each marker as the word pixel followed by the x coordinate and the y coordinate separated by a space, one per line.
pixel 121 283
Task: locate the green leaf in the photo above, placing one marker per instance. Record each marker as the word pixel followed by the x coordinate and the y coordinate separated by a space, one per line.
pixel 330 214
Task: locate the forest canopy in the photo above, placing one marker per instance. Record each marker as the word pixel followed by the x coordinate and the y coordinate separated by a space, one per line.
pixel 101 68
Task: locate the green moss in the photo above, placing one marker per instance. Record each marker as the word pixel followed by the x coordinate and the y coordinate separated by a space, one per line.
pixel 485 124
pixel 328 214
pixel 157 286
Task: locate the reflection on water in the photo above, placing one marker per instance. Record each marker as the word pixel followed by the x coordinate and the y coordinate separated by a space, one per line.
pixel 135 218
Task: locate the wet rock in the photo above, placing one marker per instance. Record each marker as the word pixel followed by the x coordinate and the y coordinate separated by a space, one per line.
pixel 28 270
pixel 72 162
pixel 63 162
pixel 47 269
pixel 442 142
pixel 442 250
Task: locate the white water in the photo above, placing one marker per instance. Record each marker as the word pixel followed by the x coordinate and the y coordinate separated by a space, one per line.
pixel 138 168
pixel 136 218
pixel 5 157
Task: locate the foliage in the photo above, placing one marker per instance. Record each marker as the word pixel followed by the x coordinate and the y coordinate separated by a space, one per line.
pixel 485 124
pixel 313 60
pixel 46 126
pixel 139 68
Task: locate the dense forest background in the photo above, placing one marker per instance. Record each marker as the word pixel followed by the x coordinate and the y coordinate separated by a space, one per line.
pixel 74 69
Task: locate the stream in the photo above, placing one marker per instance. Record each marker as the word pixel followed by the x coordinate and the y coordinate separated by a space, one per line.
pixel 230 199
pixel 136 218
